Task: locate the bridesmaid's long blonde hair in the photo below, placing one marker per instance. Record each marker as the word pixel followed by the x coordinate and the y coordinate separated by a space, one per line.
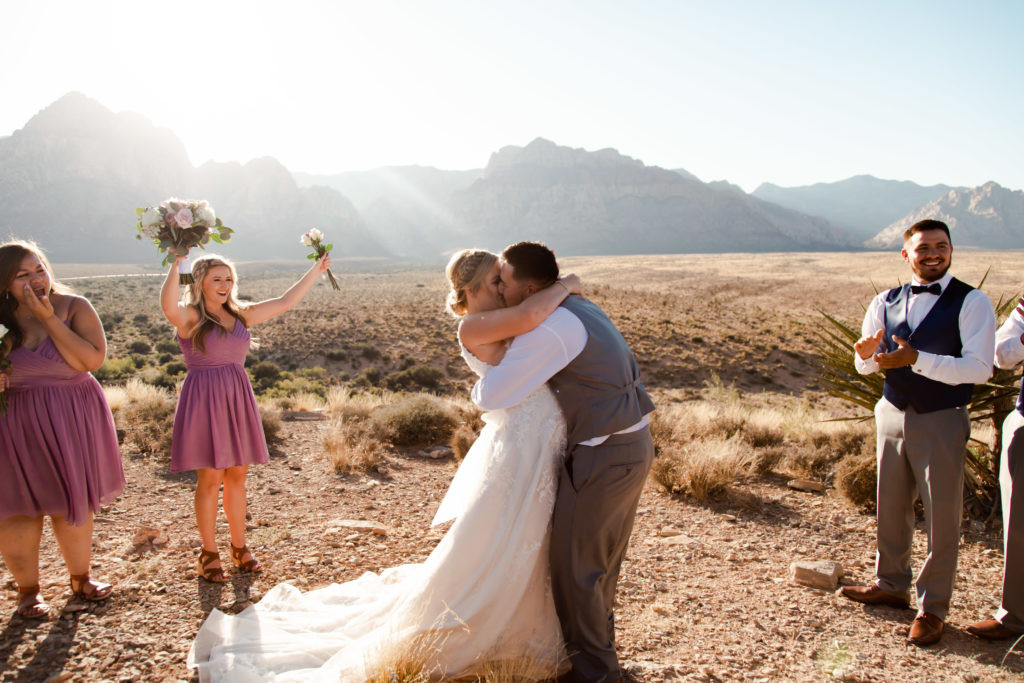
pixel 194 298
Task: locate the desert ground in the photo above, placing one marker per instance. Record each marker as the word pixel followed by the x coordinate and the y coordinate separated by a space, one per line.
pixel 704 593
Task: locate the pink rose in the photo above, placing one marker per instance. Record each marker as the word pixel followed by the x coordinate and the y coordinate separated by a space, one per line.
pixel 183 218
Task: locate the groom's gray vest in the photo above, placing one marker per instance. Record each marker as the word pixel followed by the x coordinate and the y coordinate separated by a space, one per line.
pixel 599 391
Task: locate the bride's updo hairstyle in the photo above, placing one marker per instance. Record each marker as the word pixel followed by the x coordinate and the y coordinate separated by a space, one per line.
pixel 466 272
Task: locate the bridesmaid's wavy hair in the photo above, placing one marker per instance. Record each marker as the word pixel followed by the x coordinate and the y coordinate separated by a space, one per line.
pixel 466 272
pixel 12 253
pixel 194 298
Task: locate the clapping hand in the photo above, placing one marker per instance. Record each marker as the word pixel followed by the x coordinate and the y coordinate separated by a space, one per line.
pixel 867 346
pixel 905 354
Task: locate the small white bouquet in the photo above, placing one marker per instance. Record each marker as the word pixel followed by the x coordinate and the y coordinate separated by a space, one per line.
pixel 314 238
pixel 177 225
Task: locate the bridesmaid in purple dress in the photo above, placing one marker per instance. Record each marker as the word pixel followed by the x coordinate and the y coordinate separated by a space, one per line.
pixel 217 426
pixel 58 447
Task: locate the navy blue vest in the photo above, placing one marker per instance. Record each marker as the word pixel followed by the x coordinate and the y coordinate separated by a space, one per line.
pixel 938 333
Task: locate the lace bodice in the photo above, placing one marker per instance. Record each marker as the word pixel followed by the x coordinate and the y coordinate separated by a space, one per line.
pixel 475 364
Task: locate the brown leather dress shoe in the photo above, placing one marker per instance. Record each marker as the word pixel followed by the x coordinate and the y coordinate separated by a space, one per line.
pixel 990 629
pixel 873 595
pixel 926 629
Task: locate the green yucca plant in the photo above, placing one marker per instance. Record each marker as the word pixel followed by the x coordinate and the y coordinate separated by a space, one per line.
pixel 992 401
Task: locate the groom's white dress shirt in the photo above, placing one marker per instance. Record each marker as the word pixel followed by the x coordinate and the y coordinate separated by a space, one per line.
pixel 977 332
pixel 534 358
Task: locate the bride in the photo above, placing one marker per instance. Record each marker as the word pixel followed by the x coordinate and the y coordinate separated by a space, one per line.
pixel 483 596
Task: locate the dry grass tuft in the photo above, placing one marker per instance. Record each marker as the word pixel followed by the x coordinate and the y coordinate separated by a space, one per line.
pixel 856 479
pixel 416 420
pixel 271 419
pixel 343 404
pixel 354 446
pixel 462 440
pixel 146 414
pixel 705 471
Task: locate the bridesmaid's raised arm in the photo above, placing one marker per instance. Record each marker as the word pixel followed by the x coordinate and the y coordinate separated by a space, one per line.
pixel 502 323
pixel 183 317
pixel 265 310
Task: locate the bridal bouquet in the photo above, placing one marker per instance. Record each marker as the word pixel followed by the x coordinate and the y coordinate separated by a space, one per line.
pixel 314 238
pixel 177 225
pixel 5 364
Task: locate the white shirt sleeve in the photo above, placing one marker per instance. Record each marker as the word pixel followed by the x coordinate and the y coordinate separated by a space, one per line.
pixel 977 336
pixel 531 360
pixel 1009 349
pixel 873 322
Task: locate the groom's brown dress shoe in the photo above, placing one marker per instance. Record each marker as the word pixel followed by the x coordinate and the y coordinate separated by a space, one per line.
pixel 990 629
pixel 926 629
pixel 873 595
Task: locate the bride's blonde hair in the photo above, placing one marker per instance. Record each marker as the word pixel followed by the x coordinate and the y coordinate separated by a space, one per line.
pixel 466 272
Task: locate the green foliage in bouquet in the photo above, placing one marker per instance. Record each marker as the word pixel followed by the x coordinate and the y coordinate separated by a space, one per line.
pixel 992 400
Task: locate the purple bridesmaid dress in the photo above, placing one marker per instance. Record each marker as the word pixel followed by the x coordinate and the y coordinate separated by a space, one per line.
pixel 58 445
pixel 217 422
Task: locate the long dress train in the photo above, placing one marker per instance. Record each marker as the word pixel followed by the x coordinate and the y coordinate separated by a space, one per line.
pixel 483 594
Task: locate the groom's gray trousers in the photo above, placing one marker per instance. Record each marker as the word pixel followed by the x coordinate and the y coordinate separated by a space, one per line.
pixel 598 491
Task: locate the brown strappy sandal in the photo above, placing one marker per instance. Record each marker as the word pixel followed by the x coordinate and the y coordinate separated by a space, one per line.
pixel 252 566
pixel 30 604
pixel 215 574
pixel 90 590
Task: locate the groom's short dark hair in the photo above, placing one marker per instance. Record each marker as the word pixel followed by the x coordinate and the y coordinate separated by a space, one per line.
pixel 531 262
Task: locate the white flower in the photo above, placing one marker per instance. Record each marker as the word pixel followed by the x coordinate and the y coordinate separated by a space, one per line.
pixel 306 239
pixel 3 330
pixel 152 231
pixel 152 216
pixel 204 213
pixel 316 236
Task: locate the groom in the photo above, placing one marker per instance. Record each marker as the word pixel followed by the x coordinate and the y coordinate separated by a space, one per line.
pixel 595 378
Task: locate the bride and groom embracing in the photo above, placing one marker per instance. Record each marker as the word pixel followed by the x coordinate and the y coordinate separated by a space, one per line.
pixel 543 506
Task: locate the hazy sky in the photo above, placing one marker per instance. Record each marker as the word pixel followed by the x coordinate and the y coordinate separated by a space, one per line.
pixel 784 92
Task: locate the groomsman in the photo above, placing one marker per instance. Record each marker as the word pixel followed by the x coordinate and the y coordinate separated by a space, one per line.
pixel 1009 620
pixel 933 339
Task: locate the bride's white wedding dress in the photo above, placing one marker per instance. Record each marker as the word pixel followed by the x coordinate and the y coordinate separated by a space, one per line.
pixel 483 594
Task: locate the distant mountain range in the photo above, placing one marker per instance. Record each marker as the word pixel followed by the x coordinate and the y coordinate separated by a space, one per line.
pixel 73 176
pixel 863 204
pixel 989 216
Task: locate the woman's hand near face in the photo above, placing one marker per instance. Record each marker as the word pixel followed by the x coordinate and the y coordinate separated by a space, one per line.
pixel 40 307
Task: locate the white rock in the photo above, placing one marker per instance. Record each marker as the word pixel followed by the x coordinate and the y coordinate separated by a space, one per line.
pixel 823 574
pixel 808 485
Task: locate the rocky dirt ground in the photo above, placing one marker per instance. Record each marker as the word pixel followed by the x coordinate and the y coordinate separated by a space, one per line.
pixel 710 603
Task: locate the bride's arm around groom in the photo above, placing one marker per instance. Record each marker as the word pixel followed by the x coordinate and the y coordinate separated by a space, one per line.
pixel 584 359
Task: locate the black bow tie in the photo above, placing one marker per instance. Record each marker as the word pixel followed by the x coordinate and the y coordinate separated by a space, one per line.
pixel 934 288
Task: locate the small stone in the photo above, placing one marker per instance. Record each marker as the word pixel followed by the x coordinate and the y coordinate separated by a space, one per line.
pixel 823 574
pixel 682 539
pixel 667 531
pixel 359 525
pixel 808 485
pixel 729 518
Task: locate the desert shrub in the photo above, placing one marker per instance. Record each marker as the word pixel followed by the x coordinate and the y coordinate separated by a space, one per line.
pixel 140 318
pixel 167 346
pixel 271 419
pixel 164 358
pixel 345 405
pixel 265 370
pixel 462 439
pixel 416 420
pixel 299 401
pixel 251 359
pixel 139 346
pixel 316 373
pixel 175 367
pixel 705 471
pixel 147 417
pixel 110 320
pixel 762 436
pixel 288 385
pixel 139 360
pixel 335 355
pixel 370 377
pixel 764 461
pixel 158 378
pixel 354 446
pixel 115 368
pixel 416 376
pixel 369 352
pixel 856 479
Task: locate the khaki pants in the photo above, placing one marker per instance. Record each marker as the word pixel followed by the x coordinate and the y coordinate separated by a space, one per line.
pixel 920 454
pixel 1011 472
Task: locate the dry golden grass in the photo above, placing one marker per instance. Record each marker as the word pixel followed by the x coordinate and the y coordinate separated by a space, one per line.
pixel 145 413
pixel 462 440
pixel 354 446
